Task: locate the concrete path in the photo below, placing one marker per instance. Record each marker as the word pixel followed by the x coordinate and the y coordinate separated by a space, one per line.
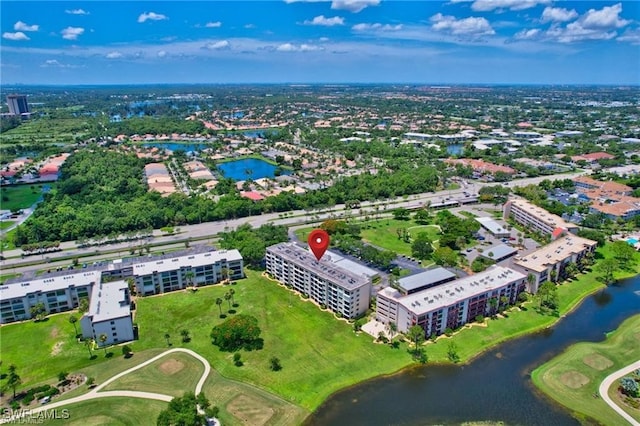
pixel 606 384
pixel 95 392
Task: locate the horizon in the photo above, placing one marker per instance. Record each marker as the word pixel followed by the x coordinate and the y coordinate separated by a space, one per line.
pixel 456 42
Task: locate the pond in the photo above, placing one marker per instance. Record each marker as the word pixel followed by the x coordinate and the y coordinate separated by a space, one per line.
pixel 494 387
pixel 186 147
pixel 455 149
pixel 249 168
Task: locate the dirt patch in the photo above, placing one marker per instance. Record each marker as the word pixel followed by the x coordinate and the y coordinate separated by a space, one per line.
pixel 171 366
pixel 573 379
pixel 54 333
pixel 597 361
pixel 250 410
pixel 57 348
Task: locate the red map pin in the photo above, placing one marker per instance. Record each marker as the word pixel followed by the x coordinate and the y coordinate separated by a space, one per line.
pixel 318 242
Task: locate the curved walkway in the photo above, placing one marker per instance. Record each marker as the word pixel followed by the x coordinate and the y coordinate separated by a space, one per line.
pixel 93 393
pixel 606 384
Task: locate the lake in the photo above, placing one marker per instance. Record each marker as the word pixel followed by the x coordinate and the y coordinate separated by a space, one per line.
pixel 249 168
pixel 494 387
pixel 186 147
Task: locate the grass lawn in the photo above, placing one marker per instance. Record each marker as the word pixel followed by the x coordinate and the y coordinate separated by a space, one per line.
pixel 111 411
pixel 171 375
pixel 7 240
pixel 573 377
pixel 4 224
pixel 17 197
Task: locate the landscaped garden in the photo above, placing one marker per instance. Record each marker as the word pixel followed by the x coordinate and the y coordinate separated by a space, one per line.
pixel 573 377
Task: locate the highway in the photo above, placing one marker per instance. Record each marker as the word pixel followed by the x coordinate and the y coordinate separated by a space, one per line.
pixel 14 263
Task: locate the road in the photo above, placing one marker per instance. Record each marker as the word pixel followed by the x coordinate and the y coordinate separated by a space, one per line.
pixel 95 392
pixel 606 384
pixel 296 217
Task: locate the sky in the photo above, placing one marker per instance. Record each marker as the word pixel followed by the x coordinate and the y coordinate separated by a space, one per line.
pixel 339 41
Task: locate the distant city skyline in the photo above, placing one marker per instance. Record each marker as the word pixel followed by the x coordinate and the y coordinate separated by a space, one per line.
pixel 339 41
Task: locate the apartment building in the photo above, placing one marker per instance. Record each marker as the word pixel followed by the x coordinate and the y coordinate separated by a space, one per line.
pixel 61 290
pixel 109 314
pixel 553 257
pixel 452 304
pixel 340 290
pixel 537 218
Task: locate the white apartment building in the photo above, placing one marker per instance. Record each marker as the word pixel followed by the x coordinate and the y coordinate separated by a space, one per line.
pixel 449 305
pixel 340 290
pixel 109 314
pixel 553 257
pixel 537 219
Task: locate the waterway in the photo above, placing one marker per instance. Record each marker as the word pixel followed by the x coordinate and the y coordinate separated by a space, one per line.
pixel 495 387
pixel 186 147
pixel 249 168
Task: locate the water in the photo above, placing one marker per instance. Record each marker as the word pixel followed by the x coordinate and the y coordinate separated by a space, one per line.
pixel 494 387
pixel 186 147
pixel 249 168
pixel 455 149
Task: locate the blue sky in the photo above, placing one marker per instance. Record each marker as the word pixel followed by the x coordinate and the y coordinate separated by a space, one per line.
pixel 339 41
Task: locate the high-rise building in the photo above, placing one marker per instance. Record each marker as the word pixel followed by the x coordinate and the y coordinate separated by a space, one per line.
pixel 17 104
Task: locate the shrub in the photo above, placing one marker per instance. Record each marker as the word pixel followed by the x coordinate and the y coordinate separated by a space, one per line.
pixel 448 332
pixel 239 332
pixel 480 318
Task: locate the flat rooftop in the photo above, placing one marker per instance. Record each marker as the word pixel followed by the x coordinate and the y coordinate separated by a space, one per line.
pixel 108 301
pixel 351 265
pixel 323 268
pixel 453 292
pixel 499 251
pixel 540 213
pixel 425 279
pixel 554 252
pixel 190 260
pixel 490 224
pixel 45 283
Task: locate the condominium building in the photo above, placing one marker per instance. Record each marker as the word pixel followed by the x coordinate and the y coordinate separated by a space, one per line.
pixel 17 104
pixel 553 257
pixel 537 218
pixel 452 304
pixel 60 291
pixel 109 314
pixel 340 290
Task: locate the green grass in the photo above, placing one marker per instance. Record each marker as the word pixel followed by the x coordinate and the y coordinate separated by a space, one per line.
pixel 8 239
pixel 4 224
pixel 111 411
pixel 18 197
pixel 589 360
pixel 171 375
pixel 4 277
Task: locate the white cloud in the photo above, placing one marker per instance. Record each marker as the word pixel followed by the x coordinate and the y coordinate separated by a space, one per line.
pixel 114 55
pixel 17 36
pixel 76 12
pixel 286 47
pixel 54 63
pixel 631 36
pixel 471 26
pixel 289 47
pixel 162 54
pixel 152 16
pixel 528 34
pixel 249 26
pixel 353 6
pixel 325 22
pixel 376 27
pixel 489 5
pixel 72 33
pixel 218 45
pixel 216 24
pixel 21 26
pixel 558 14
pixel 606 18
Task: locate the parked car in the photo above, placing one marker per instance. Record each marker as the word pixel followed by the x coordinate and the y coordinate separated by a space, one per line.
pixel 45 400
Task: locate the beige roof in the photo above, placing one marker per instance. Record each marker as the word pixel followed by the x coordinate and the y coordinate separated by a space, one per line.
pixel 554 252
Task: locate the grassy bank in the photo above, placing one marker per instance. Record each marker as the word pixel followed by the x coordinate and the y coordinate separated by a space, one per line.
pixel 573 377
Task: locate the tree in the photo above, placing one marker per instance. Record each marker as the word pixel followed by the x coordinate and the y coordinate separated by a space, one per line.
pixel 401 214
pixel 630 387
pixel 445 256
pixel 237 359
pixel 224 273
pixel 571 270
pixel 548 295
pixel 73 320
pixel 167 336
pixel 219 303
pixel 493 303
pixel 416 335
pixel 421 247
pixel 189 275
pixel 185 336
pixel 239 332
pixel 531 279
pixel 274 364
pixel 231 293
pixel 452 352
pixel 89 345
pixel 126 351
pixel 607 267
pixel 422 216
pixel 13 380
pixel 553 275
pixel 103 340
pixel 83 305
pixel 182 411
pixel 62 376
pixel 623 252
pixel 227 297
pixel 38 311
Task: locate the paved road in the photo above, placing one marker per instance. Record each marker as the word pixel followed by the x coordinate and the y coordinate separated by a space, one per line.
pixel 95 392
pixel 296 217
pixel 606 384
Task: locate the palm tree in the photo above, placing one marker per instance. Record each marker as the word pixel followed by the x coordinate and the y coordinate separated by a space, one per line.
pixel 89 344
pixel 231 293
pixel 219 303
pixel 531 279
pixel 189 277
pixel 13 380
pixel 224 273
pixel 103 339
pixel 227 297
pixel 166 337
pixel 73 320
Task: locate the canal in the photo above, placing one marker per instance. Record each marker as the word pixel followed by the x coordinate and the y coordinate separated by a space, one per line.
pixel 494 387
